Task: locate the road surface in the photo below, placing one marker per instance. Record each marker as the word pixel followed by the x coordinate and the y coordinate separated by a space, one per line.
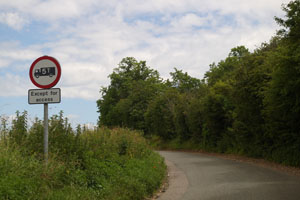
pixel 195 176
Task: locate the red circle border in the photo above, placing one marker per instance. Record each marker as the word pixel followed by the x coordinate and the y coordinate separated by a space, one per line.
pixel 58 72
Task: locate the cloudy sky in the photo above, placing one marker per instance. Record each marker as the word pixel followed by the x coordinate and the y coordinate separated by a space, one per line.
pixel 90 37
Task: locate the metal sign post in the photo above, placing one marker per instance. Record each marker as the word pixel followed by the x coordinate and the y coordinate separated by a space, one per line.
pixel 46 132
pixel 44 73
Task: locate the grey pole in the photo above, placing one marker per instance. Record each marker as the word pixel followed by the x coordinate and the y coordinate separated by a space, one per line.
pixel 46 132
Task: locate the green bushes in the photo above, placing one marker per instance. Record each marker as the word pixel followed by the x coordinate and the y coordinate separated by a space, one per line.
pixel 93 164
pixel 19 175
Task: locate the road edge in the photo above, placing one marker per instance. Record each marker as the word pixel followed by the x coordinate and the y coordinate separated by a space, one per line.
pixel 177 183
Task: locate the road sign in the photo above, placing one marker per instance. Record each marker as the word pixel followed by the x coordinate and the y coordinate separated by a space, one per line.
pixel 42 96
pixel 45 72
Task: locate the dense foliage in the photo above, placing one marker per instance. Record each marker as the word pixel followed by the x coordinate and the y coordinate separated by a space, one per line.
pixel 83 164
pixel 132 86
pixel 248 103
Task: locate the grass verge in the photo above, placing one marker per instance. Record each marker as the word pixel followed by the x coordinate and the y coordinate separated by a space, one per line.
pixel 102 164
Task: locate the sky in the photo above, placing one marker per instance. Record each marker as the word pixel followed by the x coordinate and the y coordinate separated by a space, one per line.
pixel 90 37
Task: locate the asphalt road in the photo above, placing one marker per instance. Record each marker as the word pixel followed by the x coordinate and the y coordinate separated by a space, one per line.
pixel 195 176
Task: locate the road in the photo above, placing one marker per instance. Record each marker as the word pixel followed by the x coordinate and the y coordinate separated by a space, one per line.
pixel 196 176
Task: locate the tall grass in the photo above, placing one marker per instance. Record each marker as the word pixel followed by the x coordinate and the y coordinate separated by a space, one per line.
pixel 89 164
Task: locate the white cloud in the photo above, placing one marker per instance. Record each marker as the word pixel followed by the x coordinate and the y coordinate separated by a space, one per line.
pixel 82 80
pixel 13 20
pixel 91 37
pixel 4 62
pixel 13 51
pixel 57 9
pixel 49 10
pixel 13 85
pixel 188 22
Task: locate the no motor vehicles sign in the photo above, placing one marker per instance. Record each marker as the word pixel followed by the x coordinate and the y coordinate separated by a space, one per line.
pixel 45 72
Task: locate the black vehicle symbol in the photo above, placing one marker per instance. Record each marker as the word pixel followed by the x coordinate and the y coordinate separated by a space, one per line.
pixel 44 71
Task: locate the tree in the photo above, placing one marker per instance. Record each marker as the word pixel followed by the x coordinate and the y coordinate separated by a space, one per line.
pixel 216 110
pixel 290 25
pixel 184 82
pixel 160 114
pixel 282 98
pixel 124 102
pixel 224 69
pixel 249 81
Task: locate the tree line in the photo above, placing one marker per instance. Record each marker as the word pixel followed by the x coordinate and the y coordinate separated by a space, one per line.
pixel 248 103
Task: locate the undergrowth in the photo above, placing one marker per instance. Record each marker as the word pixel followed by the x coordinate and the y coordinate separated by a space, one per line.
pixel 112 164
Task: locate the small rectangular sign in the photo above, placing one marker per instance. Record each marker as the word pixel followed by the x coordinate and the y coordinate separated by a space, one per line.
pixel 41 96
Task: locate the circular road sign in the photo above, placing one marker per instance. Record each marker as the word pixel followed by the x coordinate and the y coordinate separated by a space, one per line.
pixel 45 72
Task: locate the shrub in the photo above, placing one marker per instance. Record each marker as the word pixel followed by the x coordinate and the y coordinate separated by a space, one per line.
pixel 95 164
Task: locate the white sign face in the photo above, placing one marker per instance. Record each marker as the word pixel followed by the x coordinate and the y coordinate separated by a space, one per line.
pixel 42 96
pixel 45 72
